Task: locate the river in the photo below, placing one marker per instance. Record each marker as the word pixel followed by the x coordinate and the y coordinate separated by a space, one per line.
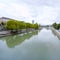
pixel 37 45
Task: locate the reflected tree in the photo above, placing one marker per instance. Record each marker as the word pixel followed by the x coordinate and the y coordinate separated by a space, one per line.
pixel 12 41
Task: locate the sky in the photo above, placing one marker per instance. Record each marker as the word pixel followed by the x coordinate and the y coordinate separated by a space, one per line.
pixel 44 12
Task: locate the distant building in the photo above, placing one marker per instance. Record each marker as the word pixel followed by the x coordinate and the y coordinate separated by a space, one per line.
pixel 32 21
pixel 4 19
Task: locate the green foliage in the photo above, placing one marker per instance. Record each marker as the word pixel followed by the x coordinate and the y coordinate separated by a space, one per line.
pixel 28 25
pixel 16 25
pixel 56 26
pixel 36 26
pixel 12 25
pixel 22 25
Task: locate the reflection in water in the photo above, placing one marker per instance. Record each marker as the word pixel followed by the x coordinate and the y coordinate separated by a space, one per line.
pixel 12 41
pixel 43 46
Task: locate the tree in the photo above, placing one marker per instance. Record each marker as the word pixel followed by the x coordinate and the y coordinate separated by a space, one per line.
pixel 36 26
pixel 56 26
pixel 12 25
pixel 17 25
pixel 28 25
pixel 22 25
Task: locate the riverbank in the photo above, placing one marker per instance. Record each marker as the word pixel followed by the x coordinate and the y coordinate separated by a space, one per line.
pixel 4 33
pixel 56 32
pixel 8 32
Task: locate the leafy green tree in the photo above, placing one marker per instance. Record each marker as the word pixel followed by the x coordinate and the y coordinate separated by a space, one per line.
pixel 17 25
pixel 22 25
pixel 36 26
pixel 12 25
pixel 28 25
pixel 56 26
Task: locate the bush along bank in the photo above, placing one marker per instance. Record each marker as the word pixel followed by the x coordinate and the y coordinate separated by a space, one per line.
pixel 56 26
pixel 19 26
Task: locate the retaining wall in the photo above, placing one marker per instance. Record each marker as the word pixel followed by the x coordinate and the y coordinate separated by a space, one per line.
pixel 56 32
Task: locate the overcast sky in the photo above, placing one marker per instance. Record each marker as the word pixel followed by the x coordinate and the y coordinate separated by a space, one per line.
pixel 41 11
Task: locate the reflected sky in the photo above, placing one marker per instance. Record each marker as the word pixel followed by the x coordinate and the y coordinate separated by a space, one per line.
pixel 41 45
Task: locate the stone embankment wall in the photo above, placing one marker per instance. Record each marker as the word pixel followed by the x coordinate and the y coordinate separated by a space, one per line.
pixel 56 32
pixel 8 32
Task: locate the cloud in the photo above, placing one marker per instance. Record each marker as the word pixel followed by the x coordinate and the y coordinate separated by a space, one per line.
pixel 47 15
pixel 42 11
pixel 2 5
pixel 42 2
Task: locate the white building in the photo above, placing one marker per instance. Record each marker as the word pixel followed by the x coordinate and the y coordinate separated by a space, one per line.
pixel 4 19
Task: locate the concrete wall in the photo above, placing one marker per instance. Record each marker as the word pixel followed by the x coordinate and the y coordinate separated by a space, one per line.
pixel 56 32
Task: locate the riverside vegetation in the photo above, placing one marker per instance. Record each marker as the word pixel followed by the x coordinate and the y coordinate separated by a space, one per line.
pixel 56 26
pixel 15 25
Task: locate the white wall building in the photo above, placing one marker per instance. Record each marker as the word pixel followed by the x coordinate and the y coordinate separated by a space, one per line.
pixel 4 19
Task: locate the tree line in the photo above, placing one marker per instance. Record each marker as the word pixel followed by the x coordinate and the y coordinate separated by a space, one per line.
pixel 16 25
pixel 56 26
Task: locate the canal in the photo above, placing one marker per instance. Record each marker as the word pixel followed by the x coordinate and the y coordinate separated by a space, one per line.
pixel 37 45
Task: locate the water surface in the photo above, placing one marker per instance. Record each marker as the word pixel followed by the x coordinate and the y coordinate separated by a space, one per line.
pixel 36 45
